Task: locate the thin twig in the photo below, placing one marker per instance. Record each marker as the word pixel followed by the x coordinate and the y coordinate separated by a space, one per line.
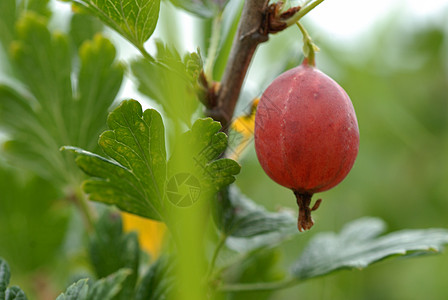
pixel 221 243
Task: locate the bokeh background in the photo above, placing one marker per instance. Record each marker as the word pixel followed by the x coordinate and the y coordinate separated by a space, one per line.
pixel 392 59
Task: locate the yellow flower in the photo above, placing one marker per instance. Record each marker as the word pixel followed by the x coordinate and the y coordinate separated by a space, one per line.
pixel 150 233
pixel 244 125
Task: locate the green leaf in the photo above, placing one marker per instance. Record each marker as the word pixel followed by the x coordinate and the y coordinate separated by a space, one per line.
pixel 157 283
pixel 134 178
pixel 12 293
pixel 249 226
pixel 7 20
pixel 28 216
pixel 83 27
pixel 358 245
pixel 77 291
pixel 103 289
pixel 261 267
pixel 9 12
pixel 15 293
pixel 52 110
pixel 157 80
pixel 201 8
pixel 111 249
pixel 230 22
pixel 107 288
pixel 4 278
pixel 197 153
pixel 133 19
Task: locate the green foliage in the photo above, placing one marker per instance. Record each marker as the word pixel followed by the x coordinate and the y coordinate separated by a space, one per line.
pixel 201 8
pixel 103 289
pixel 358 246
pixel 239 216
pixel 54 109
pixel 84 27
pixel 9 12
pixel 32 216
pixel 8 293
pixel 198 150
pixel 157 283
pixel 58 89
pixel 172 81
pixel 111 250
pixel 259 267
pixel 134 178
pixel 133 19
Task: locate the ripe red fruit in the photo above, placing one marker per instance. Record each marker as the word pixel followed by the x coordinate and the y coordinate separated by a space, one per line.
pixel 306 135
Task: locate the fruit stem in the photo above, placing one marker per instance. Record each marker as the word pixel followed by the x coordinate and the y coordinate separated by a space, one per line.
pixel 309 48
pixel 306 8
pixel 305 221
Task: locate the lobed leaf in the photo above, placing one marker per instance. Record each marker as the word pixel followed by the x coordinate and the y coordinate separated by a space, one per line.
pixel 197 152
pixel 103 289
pixel 107 288
pixel 11 293
pixel 4 278
pixel 49 109
pixel 15 293
pixel 249 226
pixel 133 19
pixel 156 80
pixel 134 178
pixel 358 245
pixel 77 291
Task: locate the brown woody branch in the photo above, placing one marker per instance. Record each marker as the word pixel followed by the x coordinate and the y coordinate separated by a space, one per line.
pixel 258 19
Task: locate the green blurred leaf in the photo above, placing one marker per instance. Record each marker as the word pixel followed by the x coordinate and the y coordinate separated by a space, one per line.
pixel 249 226
pixel 197 152
pixel 77 291
pixel 83 27
pixel 201 8
pixel 157 283
pixel 4 278
pixel 33 222
pixel 103 289
pixel 134 178
pixel 241 217
pixel 111 249
pixel 133 19
pixel 171 81
pixel 10 10
pixel 359 245
pixel 261 267
pixel 12 293
pixel 55 110
pixel 107 288
pixel 231 17
pixel 15 293
pixel 7 20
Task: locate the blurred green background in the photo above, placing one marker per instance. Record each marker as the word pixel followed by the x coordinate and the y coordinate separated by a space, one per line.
pixel 396 73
